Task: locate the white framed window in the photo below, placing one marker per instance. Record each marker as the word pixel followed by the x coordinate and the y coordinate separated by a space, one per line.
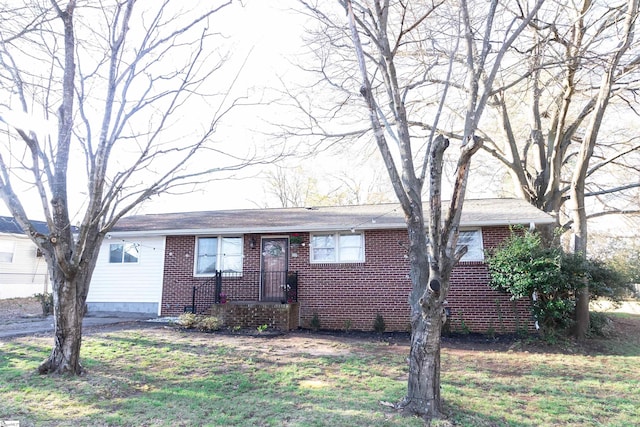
pixel 218 253
pixel 6 251
pixel 337 247
pixel 124 253
pixel 472 239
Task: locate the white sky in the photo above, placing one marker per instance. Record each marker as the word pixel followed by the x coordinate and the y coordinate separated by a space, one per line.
pixel 265 34
pixel 269 36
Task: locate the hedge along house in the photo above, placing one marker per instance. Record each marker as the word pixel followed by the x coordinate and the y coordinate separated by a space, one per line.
pixel 336 266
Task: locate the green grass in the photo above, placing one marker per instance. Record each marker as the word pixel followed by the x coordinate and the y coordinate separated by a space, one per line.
pixel 165 377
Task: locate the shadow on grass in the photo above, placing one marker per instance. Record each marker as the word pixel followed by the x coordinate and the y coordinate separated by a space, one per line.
pixel 170 378
pixel 21 358
pixel 219 398
pixel 460 416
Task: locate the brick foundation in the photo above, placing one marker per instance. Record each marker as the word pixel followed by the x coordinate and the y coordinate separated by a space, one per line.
pixel 283 317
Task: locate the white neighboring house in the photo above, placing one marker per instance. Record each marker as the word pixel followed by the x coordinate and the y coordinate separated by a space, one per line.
pixel 128 276
pixel 23 271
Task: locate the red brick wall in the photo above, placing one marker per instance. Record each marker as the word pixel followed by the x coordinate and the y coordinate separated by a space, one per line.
pixel 178 283
pixel 349 296
pixel 474 305
pixel 254 314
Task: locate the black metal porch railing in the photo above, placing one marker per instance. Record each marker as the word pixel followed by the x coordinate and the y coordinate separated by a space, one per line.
pixel 275 286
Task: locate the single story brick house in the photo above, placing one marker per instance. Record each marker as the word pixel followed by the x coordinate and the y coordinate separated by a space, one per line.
pixel 23 269
pixel 297 267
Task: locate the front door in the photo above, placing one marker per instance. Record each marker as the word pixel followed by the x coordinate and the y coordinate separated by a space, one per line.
pixel 274 268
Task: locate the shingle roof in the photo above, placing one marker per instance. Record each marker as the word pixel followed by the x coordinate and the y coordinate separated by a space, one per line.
pixel 9 225
pixel 480 212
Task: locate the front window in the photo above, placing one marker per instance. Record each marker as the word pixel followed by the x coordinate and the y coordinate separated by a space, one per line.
pixel 472 239
pixel 337 247
pixel 124 253
pixel 218 253
pixel 6 251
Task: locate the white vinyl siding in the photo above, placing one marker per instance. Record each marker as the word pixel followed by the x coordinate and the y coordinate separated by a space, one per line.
pixel 129 281
pixel 22 273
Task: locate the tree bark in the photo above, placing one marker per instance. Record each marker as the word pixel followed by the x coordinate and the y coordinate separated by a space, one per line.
pixel 70 289
pixel 423 387
pixel 67 315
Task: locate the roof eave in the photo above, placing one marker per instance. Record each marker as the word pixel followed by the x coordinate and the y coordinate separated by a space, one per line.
pixel 305 229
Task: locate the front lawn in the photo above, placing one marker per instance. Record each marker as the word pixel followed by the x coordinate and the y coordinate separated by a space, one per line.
pixel 162 376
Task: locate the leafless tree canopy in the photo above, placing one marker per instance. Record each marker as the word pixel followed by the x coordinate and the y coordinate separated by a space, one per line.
pixel 573 78
pixel 407 76
pixel 141 100
pixel 105 105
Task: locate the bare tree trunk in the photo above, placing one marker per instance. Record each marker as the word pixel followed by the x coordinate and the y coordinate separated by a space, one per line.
pixel 70 293
pixel 579 246
pixel 68 315
pixel 431 258
pixel 423 387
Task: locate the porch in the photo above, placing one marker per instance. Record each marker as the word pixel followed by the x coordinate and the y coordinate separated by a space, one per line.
pixel 277 305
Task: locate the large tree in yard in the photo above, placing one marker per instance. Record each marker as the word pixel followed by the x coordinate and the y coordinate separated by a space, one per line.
pixel 117 78
pixel 393 66
pixel 568 138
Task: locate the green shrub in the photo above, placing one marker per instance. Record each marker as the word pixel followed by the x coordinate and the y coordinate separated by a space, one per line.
pixel 464 329
pixel 491 331
pixel 524 268
pixel 378 324
pixel 600 324
pixel 606 281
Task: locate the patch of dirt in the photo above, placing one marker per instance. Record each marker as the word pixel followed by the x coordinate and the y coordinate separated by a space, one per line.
pixel 18 308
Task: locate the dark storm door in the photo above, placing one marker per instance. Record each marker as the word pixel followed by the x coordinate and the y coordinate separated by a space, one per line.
pixel 275 259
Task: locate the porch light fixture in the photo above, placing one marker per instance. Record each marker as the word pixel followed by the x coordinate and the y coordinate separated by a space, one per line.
pixel 252 243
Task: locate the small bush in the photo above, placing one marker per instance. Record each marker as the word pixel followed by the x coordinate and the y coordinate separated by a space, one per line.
pixel 188 320
pixel 209 324
pixel 46 301
pixel 314 323
pixel 201 323
pixel 600 324
pixel 378 324
pixel 464 329
pixel 491 331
